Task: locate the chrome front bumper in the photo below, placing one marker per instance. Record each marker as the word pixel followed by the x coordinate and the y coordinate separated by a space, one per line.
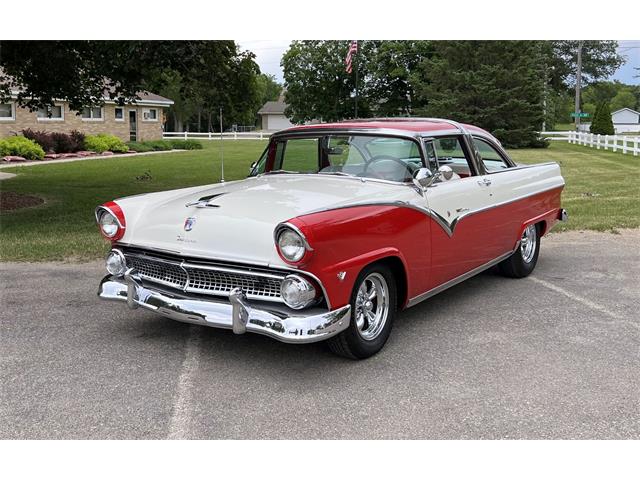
pixel 236 314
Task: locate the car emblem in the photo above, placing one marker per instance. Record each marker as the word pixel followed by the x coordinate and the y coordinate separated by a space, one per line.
pixel 189 223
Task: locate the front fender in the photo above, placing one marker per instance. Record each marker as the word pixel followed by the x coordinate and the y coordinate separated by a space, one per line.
pixel 346 240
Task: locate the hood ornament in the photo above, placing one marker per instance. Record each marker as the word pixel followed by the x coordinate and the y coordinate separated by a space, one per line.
pixel 189 223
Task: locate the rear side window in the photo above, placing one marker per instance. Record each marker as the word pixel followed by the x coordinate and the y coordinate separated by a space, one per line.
pixel 491 158
pixel 449 151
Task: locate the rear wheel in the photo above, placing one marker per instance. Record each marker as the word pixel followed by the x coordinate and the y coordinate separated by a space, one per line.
pixel 373 308
pixel 524 259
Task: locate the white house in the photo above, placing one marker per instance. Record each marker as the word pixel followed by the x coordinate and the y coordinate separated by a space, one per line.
pixel 272 116
pixel 626 120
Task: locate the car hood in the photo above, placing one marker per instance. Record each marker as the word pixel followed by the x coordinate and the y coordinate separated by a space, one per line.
pixel 239 224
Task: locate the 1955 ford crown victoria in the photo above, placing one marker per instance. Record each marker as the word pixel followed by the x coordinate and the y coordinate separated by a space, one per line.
pixel 337 227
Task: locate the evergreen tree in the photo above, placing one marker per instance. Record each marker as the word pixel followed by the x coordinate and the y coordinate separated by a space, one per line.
pixel 496 85
pixel 602 122
pixel 595 119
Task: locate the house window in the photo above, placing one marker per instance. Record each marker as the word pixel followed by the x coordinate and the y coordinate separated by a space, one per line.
pixel 7 112
pixel 150 115
pixel 92 113
pixel 55 112
pixel 119 113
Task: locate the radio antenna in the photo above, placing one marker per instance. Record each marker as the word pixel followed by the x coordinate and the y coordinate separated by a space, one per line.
pixel 221 149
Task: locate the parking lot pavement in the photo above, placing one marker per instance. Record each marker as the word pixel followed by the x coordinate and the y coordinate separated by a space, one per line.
pixel 556 355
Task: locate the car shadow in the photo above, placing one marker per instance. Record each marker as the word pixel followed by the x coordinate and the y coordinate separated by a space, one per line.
pixel 263 352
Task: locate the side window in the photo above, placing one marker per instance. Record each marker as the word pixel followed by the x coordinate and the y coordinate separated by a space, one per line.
pixel 297 155
pixel 449 151
pixel 491 158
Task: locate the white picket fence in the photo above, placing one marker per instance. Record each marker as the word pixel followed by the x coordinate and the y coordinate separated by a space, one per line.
pixel 622 143
pixel 216 136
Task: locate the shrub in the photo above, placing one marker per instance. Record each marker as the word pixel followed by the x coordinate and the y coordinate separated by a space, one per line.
pixel 21 147
pixel 140 147
pixel 55 141
pixel 68 143
pixel 186 144
pixel 104 142
pixel 158 145
pixel 42 138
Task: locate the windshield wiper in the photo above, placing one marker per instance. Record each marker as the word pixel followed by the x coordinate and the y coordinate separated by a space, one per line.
pixel 279 171
pixel 342 174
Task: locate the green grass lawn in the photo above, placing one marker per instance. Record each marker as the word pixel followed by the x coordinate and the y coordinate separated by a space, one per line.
pixel 602 193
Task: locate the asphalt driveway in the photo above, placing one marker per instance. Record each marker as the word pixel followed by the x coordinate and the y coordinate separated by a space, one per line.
pixel 556 355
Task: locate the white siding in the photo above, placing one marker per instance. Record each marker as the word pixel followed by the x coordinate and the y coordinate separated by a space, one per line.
pixel 275 121
pixel 625 116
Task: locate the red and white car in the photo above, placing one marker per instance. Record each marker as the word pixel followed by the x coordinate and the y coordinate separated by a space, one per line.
pixel 337 228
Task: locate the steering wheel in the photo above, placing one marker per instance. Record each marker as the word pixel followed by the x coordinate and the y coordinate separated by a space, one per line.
pixel 378 158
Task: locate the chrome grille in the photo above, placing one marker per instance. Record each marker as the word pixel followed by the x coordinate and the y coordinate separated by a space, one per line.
pixel 221 282
pixel 166 273
pixel 206 279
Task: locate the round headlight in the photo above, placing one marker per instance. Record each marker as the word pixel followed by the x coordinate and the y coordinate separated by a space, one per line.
pixel 291 245
pixel 297 292
pixel 116 263
pixel 108 224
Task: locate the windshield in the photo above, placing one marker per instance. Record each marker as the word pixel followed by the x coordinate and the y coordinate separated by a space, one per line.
pixel 387 158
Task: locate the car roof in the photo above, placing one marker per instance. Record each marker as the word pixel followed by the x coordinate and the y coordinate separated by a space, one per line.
pixel 413 126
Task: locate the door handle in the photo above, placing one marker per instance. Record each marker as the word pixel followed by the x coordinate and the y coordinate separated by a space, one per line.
pixel 484 182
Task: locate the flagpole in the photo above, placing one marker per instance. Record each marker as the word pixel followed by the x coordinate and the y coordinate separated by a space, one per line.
pixel 356 66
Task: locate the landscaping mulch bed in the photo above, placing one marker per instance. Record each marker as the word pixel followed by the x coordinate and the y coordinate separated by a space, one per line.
pixel 13 201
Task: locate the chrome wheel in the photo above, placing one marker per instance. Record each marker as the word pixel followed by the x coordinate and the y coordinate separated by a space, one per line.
pixel 372 306
pixel 528 243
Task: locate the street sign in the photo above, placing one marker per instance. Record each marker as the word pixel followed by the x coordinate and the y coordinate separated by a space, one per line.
pixel 580 114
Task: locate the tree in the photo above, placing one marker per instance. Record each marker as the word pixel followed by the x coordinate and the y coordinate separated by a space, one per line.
pixel 496 85
pixel 81 72
pixel 624 98
pixel 602 122
pixel 391 91
pixel 600 60
pixel 268 88
pixel 317 85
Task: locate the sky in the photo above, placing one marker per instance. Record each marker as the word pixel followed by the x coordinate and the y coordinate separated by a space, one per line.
pixel 269 52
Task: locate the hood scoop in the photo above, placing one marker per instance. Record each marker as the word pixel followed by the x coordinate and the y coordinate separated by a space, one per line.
pixel 204 202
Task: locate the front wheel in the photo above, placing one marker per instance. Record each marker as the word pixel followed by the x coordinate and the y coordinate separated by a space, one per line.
pixel 524 259
pixel 373 308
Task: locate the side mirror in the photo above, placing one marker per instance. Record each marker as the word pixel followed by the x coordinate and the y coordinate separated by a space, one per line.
pixel 446 172
pixel 423 177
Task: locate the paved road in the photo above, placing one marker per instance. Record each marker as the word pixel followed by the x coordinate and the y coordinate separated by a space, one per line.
pixel 556 355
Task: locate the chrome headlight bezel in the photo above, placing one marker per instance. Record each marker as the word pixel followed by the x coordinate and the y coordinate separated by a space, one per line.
pixel 116 263
pixel 291 243
pixel 297 292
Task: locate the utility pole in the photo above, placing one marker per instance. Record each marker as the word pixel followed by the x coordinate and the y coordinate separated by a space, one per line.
pixel 578 85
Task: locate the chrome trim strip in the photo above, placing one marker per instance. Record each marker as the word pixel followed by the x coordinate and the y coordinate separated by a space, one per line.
pixel 434 291
pixel 232 270
pixel 236 313
pixel 446 226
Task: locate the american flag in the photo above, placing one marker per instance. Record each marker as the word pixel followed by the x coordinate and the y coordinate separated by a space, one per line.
pixel 353 49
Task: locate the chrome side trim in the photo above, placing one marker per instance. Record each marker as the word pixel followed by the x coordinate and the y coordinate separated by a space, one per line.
pixel 448 227
pixel 434 291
